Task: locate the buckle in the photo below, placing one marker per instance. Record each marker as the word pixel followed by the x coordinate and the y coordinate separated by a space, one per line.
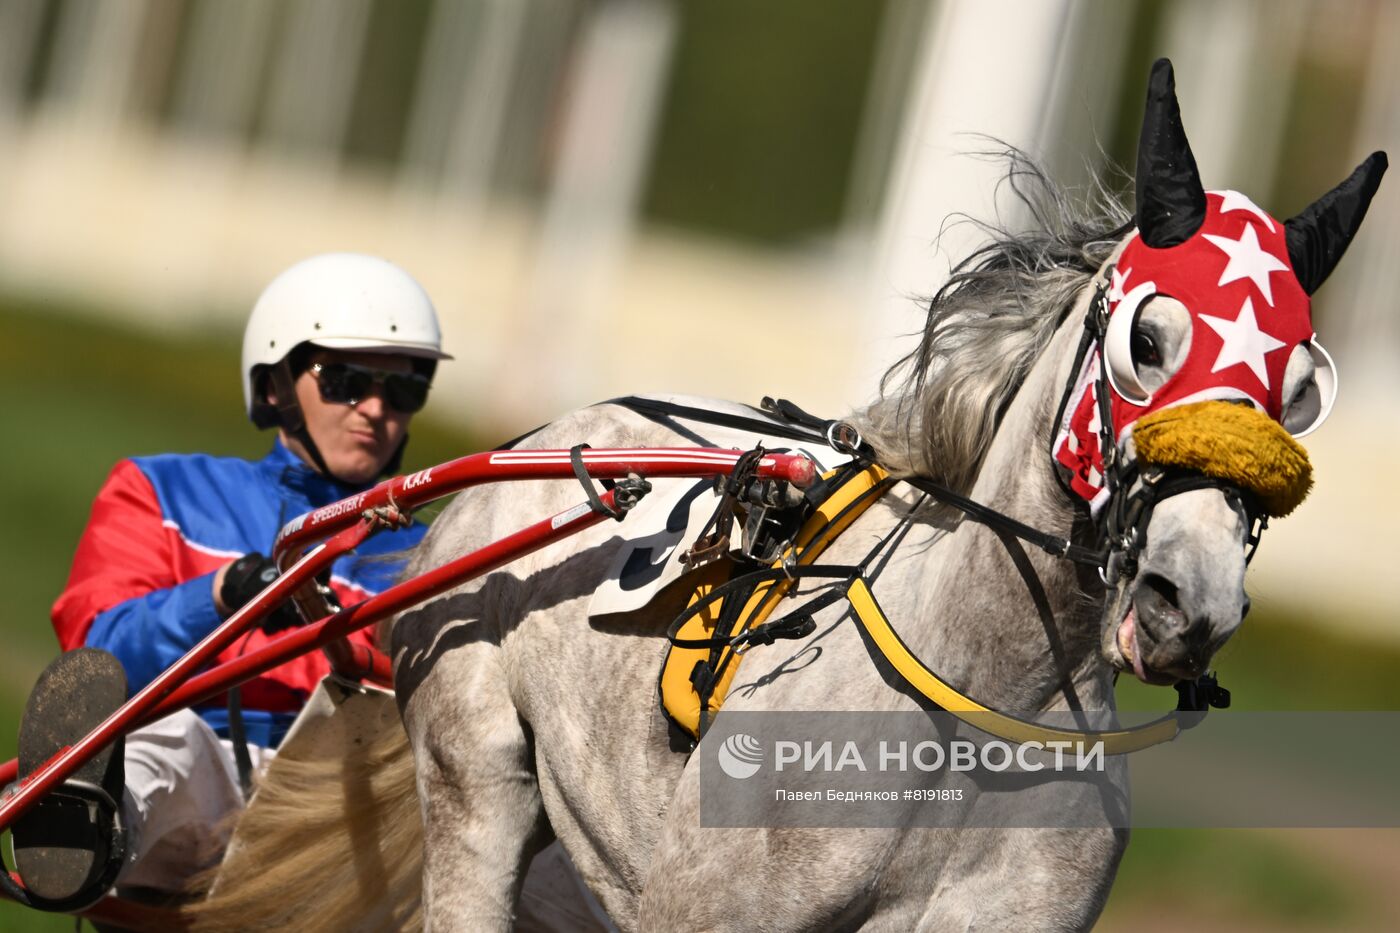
pixel 843 437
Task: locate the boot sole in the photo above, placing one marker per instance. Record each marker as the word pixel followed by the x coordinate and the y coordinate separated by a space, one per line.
pixel 62 845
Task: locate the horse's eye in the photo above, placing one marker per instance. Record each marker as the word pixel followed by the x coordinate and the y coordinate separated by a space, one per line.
pixel 1145 352
pixel 1299 392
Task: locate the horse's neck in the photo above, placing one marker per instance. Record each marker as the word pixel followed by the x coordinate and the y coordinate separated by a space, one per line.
pixel 1016 638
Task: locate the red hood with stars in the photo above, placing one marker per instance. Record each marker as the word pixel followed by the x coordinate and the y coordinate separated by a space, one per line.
pixel 1248 312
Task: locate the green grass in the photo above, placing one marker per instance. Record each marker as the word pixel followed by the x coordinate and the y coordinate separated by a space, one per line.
pixel 1281 662
pixel 1274 662
pixel 1231 874
pixel 81 395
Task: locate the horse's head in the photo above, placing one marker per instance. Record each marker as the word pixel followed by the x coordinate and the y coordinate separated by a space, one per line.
pixel 1179 426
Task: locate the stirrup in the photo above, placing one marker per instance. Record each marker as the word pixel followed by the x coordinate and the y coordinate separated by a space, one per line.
pixel 70 846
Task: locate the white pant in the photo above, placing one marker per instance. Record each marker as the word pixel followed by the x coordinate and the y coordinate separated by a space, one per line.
pixel 181 794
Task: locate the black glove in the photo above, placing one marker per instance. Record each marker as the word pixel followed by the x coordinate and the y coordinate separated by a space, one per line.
pixel 247 577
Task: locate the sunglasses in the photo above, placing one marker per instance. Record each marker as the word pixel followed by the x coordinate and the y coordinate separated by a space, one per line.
pixel 348 384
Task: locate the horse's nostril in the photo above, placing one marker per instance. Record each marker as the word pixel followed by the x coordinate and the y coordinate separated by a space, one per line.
pixel 1159 613
pixel 1244 608
pixel 1164 589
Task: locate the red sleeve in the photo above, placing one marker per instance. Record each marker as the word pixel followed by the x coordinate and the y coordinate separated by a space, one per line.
pixel 123 553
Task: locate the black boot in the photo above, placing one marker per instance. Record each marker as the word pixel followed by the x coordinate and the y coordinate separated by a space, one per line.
pixel 69 847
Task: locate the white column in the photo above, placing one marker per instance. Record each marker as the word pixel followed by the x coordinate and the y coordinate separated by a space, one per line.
pixel 227 52
pixel 475 139
pixel 1334 558
pixel 478 88
pixel 986 67
pixel 19 34
pixel 452 34
pixel 614 89
pixel 313 79
pixel 545 54
pixel 1234 62
pixel 94 59
pixel 1085 91
pixel 1363 328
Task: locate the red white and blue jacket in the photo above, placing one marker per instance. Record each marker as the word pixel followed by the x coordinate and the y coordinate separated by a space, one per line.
pixel 142 580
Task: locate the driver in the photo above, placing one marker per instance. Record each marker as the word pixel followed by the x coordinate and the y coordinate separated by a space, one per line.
pixel 338 355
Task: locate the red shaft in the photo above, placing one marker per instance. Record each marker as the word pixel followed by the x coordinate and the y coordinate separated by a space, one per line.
pixel 407 492
pixel 381 606
pixel 345 520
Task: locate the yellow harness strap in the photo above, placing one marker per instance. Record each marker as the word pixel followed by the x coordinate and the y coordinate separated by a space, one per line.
pixel 681 700
pixel 932 687
pixel 679 697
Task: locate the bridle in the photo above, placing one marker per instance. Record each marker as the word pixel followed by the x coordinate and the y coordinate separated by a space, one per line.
pixel 1135 490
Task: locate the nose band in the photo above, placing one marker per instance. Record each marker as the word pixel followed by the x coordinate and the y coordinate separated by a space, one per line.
pixel 1237 444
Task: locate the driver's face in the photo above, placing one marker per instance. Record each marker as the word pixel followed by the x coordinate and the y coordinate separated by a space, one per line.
pixel 356 440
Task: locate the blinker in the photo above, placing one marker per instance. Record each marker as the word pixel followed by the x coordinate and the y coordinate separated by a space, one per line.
pixel 1118 349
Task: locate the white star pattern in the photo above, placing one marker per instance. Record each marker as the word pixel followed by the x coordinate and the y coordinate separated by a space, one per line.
pixel 1243 343
pixel 1248 260
pixel 1234 201
pixel 1115 288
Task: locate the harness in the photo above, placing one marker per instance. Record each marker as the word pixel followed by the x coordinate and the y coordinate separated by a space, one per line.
pixel 708 641
pixel 729 608
pixel 725 618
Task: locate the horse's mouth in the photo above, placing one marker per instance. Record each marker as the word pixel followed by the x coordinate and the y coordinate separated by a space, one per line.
pixel 1128 643
pixel 1164 650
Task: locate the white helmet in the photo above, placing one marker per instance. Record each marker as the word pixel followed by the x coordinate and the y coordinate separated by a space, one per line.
pixel 343 301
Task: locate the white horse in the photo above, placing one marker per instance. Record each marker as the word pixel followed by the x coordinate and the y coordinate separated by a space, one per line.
pixel 524 720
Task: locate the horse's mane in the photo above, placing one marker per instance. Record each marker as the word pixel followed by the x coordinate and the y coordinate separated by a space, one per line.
pixel 940 405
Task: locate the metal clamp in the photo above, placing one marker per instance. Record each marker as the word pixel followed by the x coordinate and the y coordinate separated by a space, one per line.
pixel 388 516
pixel 843 437
pixel 628 492
pixel 788 562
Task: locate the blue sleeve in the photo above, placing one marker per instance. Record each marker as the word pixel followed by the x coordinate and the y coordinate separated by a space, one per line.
pixel 152 632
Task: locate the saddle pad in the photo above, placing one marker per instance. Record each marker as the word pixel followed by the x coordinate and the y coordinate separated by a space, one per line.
pixel 665 523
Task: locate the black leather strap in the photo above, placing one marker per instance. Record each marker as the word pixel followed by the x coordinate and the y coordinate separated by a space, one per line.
pixel 1051 544
pixel 238 737
pixel 654 409
pixel 581 473
pixel 744 585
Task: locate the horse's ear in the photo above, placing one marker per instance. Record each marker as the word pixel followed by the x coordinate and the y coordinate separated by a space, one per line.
pixel 1171 204
pixel 1319 236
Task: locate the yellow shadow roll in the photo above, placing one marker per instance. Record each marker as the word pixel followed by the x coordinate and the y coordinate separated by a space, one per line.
pixel 1235 443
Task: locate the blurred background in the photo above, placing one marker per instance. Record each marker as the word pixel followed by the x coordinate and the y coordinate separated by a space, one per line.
pixel 721 197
